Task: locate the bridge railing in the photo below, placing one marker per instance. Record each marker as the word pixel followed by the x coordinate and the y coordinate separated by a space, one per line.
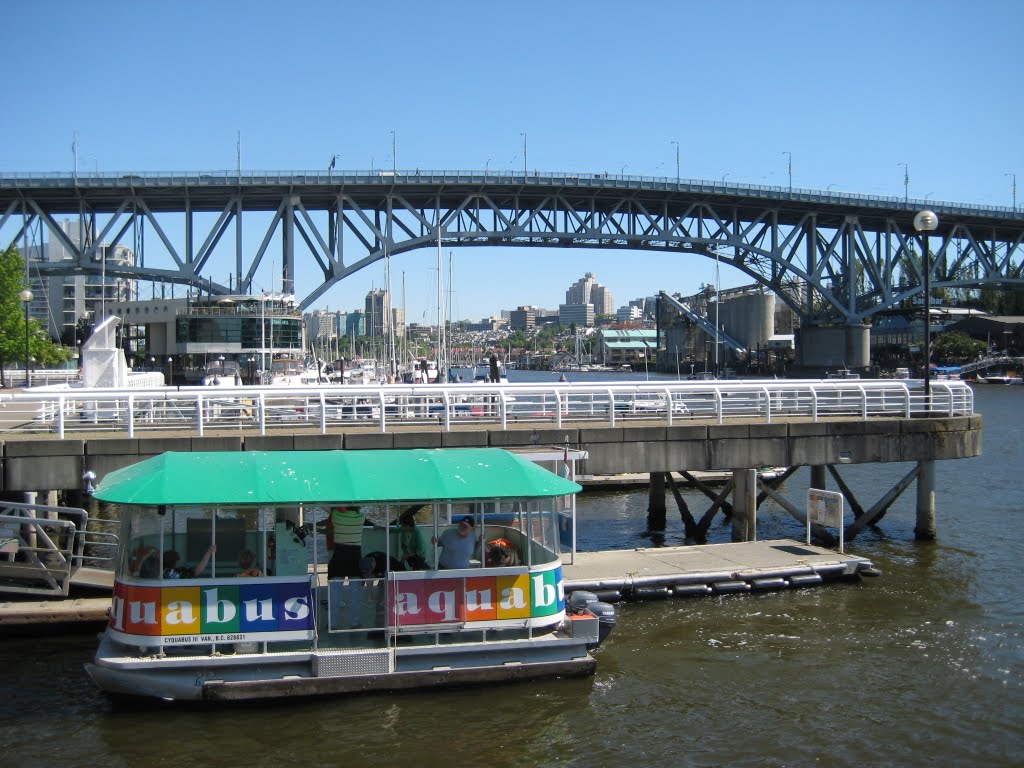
pixel 224 178
pixel 319 409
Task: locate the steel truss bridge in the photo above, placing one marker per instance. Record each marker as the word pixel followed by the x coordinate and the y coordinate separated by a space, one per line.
pixel 834 257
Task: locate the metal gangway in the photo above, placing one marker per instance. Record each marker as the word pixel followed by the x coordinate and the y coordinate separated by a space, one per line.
pixel 43 547
pixel 1001 362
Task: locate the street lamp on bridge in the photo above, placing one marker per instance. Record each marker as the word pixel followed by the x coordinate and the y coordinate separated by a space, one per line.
pixel 789 168
pixel 906 182
pixel 676 142
pixel 1013 188
pixel 926 222
pixel 26 299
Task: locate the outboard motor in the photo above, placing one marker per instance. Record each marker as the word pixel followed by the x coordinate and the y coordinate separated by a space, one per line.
pixel 605 613
pixel 581 602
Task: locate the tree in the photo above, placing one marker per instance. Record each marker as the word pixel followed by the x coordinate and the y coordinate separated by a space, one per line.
pixel 956 347
pixel 12 320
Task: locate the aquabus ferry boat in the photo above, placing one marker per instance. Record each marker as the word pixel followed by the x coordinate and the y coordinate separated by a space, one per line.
pixel 221 592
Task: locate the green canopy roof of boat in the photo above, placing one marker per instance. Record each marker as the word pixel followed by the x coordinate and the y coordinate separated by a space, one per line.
pixel 292 477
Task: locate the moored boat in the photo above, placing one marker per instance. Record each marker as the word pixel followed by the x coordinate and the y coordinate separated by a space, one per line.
pixel 222 373
pixel 285 372
pixel 421 371
pixel 251 615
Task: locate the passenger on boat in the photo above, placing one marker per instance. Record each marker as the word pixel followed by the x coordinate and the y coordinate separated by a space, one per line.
pixel 501 553
pixel 247 564
pixel 174 570
pixel 347 524
pixel 145 562
pixel 457 544
pixel 411 547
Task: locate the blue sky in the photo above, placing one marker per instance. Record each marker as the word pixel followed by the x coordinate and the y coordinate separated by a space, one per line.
pixel 851 89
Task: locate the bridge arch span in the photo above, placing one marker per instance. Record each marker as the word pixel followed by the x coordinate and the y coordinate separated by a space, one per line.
pixel 852 255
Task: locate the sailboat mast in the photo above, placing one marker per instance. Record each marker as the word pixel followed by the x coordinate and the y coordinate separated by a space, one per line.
pixel 390 315
pixel 405 326
pixel 448 312
pixel 440 306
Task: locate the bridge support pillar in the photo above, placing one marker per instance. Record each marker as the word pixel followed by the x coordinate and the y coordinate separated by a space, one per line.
pixel 818 477
pixel 925 529
pixel 656 502
pixel 744 505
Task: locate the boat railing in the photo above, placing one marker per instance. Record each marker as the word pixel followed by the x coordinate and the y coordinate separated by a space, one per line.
pixel 321 408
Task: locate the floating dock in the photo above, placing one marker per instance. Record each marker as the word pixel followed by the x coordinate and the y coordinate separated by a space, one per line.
pixel 706 569
pixel 80 612
pixel 635 574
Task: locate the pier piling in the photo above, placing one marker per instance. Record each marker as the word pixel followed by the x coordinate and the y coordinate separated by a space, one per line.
pixel 656 503
pixel 925 529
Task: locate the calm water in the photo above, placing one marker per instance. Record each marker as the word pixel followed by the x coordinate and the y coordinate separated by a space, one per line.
pixel 924 665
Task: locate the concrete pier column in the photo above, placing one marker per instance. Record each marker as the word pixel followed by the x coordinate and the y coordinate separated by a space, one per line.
pixel 925 528
pixel 29 531
pixel 51 501
pixel 656 502
pixel 818 477
pixel 744 505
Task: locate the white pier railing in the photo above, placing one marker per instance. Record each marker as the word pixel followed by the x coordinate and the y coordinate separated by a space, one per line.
pixel 196 410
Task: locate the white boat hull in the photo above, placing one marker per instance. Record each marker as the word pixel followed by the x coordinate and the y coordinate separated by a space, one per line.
pixel 256 676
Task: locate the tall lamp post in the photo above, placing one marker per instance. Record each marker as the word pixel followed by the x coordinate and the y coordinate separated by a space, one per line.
pixel 926 222
pixel 170 371
pixel 26 299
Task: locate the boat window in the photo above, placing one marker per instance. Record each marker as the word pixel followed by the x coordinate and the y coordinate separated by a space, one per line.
pixel 249 541
pixel 140 543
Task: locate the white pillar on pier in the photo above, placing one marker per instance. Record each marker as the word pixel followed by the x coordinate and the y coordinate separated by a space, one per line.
pixel 744 505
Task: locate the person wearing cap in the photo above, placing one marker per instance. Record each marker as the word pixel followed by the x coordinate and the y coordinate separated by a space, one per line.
pixel 457 544
pixel 347 524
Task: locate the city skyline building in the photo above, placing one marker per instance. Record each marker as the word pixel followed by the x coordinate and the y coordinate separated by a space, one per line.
pixel 582 315
pixel 587 290
pixel 58 301
pixel 378 312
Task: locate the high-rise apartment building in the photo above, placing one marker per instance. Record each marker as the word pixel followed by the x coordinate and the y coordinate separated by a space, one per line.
pixel 58 301
pixel 378 313
pixel 587 290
